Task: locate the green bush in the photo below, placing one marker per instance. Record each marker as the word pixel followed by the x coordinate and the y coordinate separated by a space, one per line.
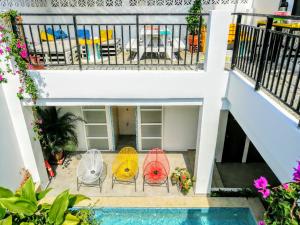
pixel 24 207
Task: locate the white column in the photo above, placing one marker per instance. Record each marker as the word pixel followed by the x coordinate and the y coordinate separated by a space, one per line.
pixel 21 118
pixel 218 26
pixel 246 149
pixel 221 135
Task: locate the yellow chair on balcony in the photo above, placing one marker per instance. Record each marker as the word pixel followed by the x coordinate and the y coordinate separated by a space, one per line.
pixel 44 36
pixel 125 167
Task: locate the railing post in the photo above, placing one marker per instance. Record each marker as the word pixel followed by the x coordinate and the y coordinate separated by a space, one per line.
pixel 236 41
pixel 261 66
pixel 14 26
pixel 138 41
pixel 199 39
pixel 77 42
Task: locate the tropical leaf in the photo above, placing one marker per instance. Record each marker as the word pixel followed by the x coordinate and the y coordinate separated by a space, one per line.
pixel 75 199
pixel 71 220
pixel 45 206
pixel 18 205
pixel 28 191
pixel 27 223
pixel 58 208
pixel 2 213
pixel 42 194
pixel 6 221
pixel 5 193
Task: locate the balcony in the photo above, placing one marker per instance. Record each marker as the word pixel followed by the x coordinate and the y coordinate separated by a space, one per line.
pixel 267 52
pixel 113 41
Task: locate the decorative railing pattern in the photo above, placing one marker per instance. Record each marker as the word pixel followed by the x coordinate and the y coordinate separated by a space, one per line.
pixel 111 3
pixel 269 53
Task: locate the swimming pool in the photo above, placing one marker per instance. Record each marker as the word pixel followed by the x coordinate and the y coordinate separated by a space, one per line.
pixel 177 216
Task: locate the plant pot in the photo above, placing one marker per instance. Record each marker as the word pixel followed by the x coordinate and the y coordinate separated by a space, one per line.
pixel 192 38
pixel 58 158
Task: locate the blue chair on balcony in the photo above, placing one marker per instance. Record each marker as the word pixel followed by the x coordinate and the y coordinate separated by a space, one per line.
pixel 58 34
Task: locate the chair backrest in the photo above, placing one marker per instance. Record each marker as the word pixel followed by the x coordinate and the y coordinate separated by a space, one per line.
pixel 157 155
pixel 84 34
pixel 125 165
pixel 106 34
pixel 90 166
pixel 156 166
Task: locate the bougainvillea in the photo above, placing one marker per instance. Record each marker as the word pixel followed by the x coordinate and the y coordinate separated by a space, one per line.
pixel 282 206
pixel 13 49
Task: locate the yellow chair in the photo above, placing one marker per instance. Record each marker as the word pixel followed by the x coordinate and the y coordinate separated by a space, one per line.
pixel 44 37
pixel 103 34
pixel 106 36
pixel 125 167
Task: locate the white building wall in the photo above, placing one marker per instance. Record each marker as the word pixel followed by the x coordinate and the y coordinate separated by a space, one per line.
pixel 269 127
pixel 180 127
pixel 10 176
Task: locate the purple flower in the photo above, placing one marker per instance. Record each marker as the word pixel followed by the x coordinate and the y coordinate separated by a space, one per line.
pixel 8 49
pixel 1 51
pixel 261 222
pixel 1 78
pixel 296 175
pixel 1 27
pixel 285 186
pixel 261 183
pixel 265 192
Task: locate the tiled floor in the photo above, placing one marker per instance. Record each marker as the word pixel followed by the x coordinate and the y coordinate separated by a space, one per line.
pixel 66 177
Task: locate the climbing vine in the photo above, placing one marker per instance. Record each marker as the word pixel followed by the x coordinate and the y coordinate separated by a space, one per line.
pixel 13 48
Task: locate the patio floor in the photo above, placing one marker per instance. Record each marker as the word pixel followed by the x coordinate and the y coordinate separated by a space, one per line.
pixel 66 177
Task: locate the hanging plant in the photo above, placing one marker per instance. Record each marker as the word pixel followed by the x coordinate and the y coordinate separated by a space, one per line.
pixel 13 48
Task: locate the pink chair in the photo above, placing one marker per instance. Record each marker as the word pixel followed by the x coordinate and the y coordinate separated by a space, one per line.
pixel 156 169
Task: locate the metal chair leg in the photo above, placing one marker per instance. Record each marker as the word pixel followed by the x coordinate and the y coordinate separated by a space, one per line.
pixel 112 182
pixel 77 184
pixel 168 187
pixel 143 183
pixel 100 185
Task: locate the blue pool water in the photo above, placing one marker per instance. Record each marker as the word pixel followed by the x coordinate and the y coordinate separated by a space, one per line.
pixel 169 216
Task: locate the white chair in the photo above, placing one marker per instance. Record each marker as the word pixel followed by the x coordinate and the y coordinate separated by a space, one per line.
pixel 90 169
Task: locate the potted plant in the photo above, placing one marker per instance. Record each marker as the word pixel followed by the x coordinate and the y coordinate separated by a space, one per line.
pixel 56 132
pixel 193 22
pixel 182 178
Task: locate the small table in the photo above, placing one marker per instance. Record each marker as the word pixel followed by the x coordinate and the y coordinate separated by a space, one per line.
pixel 155 41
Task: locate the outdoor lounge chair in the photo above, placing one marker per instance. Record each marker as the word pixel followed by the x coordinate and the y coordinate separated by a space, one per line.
pixel 90 169
pixel 125 167
pixel 156 169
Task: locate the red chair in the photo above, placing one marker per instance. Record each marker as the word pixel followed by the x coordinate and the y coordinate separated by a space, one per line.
pixel 156 169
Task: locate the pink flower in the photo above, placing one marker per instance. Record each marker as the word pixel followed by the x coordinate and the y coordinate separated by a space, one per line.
pixel 1 78
pixel 261 222
pixel 265 192
pixel 8 49
pixel 21 90
pixel 1 27
pixel 1 51
pixel 296 175
pixel 261 183
pixel 19 44
pixel 30 67
pixel 285 186
pixel 23 53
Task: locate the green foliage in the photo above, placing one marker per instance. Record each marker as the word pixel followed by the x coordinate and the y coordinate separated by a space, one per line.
pixel 58 208
pixel 24 208
pixel 245 193
pixel 182 178
pixel 193 20
pixel 55 130
pixel 15 49
pixel 282 207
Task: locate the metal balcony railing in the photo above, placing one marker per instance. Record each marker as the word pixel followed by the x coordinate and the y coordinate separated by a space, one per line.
pixel 268 53
pixel 87 41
